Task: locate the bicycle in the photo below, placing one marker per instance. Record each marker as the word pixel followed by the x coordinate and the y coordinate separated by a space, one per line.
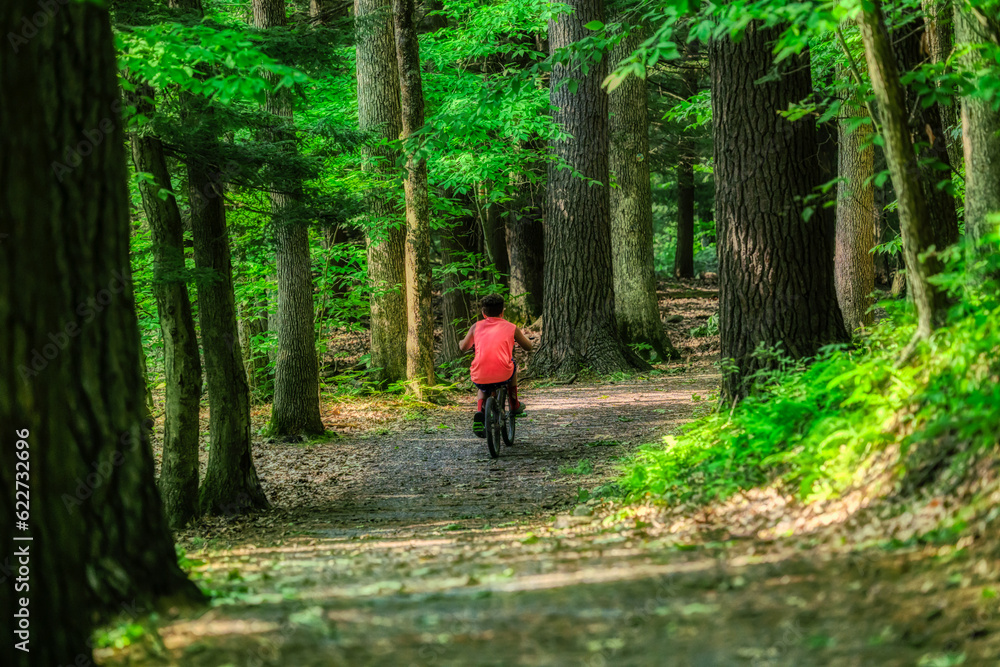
pixel 499 420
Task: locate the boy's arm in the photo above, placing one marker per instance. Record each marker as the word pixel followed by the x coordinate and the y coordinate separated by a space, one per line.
pixel 466 343
pixel 522 340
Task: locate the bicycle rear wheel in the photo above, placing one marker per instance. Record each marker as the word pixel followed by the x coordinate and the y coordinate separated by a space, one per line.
pixel 492 426
pixel 507 425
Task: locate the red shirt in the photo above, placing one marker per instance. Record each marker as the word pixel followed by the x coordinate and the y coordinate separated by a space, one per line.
pixel 493 340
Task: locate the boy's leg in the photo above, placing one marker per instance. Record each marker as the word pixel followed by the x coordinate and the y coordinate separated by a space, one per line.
pixel 479 419
pixel 512 390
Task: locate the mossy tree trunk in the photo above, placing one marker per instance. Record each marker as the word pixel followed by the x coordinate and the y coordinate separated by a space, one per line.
pixel 916 227
pixel 380 116
pixel 927 134
pixel 980 138
pixel 295 410
pixel 637 309
pixel 857 219
pixel 419 309
pixel 178 481
pixel 231 484
pixel 71 387
pixel 940 43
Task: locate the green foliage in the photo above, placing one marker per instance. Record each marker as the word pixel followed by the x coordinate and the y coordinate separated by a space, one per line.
pixel 813 426
pixel 583 467
pixel 709 328
pixel 120 636
pixel 175 54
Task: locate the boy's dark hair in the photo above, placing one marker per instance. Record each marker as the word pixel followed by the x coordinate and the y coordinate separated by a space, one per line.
pixel 492 305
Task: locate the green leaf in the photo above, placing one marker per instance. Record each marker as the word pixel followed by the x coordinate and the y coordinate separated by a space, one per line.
pixel 594 25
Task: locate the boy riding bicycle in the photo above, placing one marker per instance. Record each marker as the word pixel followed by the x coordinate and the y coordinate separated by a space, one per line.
pixel 493 366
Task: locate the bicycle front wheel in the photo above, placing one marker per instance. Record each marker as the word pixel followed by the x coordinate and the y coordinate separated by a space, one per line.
pixel 507 426
pixel 492 426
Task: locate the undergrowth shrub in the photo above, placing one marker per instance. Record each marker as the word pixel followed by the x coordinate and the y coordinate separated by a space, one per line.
pixel 813 426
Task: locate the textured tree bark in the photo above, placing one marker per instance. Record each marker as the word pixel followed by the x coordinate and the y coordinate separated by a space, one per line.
pixel 419 310
pixel 380 115
pixel 70 382
pixel 927 134
pixel 526 249
pixel 295 410
pixel 579 306
pixel 980 141
pixel 178 481
pixel 916 228
pixel 637 309
pixel 684 255
pixel 857 220
pixel 231 485
pixel 775 267
pixel 940 42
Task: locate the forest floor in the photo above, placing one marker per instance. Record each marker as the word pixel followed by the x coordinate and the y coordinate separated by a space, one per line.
pixel 401 543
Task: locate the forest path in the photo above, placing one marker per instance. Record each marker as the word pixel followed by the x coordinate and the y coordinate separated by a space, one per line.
pixel 413 548
pixel 430 471
pixel 405 544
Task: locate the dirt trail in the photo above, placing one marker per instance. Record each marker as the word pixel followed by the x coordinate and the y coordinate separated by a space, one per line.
pixel 416 549
pixel 406 545
pixel 433 472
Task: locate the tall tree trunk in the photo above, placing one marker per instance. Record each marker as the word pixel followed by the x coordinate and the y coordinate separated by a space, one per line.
pixel 179 473
pixel 419 310
pixel 295 410
pixel 980 138
pixel 927 134
pixel 775 265
pixel 684 255
pixel 637 309
pixel 380 115
pixel 231 484
pixel 854 263
pixel 495 238
pixel 71 389
pixel 940 42
pixel 457 305
pixel 580 329
pixel 916 228
pixel 526 249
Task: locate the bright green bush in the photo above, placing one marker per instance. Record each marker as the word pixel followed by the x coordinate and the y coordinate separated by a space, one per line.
pixel 814 426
